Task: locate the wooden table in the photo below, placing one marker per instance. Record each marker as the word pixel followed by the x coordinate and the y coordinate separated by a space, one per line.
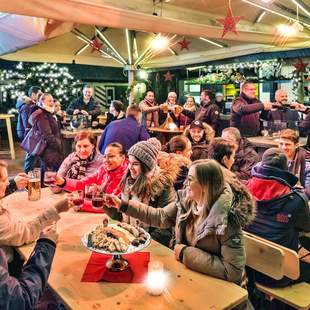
pixel 186 289
pixel 68 136
pixel 164 135
pixel 7 118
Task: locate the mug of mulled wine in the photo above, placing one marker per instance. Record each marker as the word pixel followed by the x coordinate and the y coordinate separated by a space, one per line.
pixel 98 199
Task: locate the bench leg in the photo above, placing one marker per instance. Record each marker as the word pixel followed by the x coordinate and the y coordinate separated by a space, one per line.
pixel 10 136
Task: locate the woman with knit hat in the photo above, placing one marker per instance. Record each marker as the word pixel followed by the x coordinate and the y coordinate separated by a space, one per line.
pixel 207 219
pixel 145 182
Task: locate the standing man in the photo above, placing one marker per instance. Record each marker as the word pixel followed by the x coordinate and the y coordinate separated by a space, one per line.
pixel 208 112
pixel 220 102
pixel 24 105
pixel 149 110
pixel 86 104
pixel 126 131
pixel 245 110
pixel 282 111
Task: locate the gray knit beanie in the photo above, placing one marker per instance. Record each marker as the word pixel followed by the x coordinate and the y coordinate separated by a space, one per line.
pixel 275 157
pixel 146 152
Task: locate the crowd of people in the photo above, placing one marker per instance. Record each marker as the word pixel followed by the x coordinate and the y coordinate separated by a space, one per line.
pixel 195 194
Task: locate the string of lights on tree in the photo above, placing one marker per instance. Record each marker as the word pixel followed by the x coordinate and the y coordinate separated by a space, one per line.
pixel 52 78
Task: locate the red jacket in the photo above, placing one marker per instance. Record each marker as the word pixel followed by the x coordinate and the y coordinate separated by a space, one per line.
pixel 109 180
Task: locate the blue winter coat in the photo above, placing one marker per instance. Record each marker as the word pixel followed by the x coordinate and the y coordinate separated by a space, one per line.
pixel 24 113
pixel 126 132
pixel 24 293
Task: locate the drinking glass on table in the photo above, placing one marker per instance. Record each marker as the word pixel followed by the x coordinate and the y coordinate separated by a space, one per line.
pixel 34 184
pixel 98 198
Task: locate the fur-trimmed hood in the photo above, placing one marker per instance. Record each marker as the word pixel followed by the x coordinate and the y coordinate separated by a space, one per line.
pixel 243 207
pixel 208 136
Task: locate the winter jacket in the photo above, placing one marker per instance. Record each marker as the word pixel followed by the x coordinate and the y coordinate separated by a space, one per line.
pixel 208 113
pixel 24 111
pixel 300 167
pixel 92 107
pixel 111 118
pixel 91 167
pixel 149 113
pixel 219 250
pixel 281 114
pixel 281 210
pixel 245 158
pixel 167 162
pixel 127 132
pixel 160 192
pixel 47 125
pixel 109 180
pixel 14 232
pixel 24 293
pixel 200 149
pixel 11 188
pixel 245 115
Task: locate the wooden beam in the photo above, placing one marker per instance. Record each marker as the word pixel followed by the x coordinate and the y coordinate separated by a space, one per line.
pixel 99 13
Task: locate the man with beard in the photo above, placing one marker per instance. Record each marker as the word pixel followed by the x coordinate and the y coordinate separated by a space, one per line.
pixel 282 111
pixel 245 110
pixel 85 104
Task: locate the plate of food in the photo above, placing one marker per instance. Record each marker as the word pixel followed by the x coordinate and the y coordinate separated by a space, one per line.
pixel 116 239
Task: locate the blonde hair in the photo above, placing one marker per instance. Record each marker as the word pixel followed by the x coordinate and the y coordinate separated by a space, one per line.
pixel 210 177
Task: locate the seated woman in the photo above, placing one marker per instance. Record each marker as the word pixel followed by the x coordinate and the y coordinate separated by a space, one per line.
pixel 147 183
pixel 180 151
pixel 191 106
pixel 84 161
pixel 208 222
pixel 200 135
pixel 108 175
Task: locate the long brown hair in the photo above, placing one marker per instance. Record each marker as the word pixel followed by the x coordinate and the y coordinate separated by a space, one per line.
pixel 209 175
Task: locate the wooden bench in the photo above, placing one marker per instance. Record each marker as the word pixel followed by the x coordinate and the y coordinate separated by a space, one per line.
pixel 276 262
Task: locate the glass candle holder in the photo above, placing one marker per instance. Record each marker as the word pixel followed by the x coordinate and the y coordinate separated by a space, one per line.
pixel 156 279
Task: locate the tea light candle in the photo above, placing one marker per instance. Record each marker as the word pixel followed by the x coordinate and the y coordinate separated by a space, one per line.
pixel 156 279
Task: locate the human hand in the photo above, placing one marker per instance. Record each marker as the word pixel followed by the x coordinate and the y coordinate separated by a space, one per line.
pixel 84 112
pixel 50 233
pixel 177 250
pixel 267 105
pixel 298 106
pixel 21 180
pixel 112 201
pixel 59 180
pixel 63 205
pixel 76 111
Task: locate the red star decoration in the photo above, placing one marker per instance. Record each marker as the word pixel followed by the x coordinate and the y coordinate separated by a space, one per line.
pixel 229 22
pixel 300 66
pixel 96 45
pixel 184 44
pixel 168 76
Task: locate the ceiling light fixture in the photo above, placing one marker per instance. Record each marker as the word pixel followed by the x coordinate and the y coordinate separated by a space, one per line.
pixel 211 42
pixel 301 6
pixel 260 17
pixel 274 12
pixel 160 43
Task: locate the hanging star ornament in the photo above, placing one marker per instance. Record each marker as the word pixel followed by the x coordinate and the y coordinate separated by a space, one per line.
pixel 229 22
pixel 184 44
pixel 96 45
pixel 168 76
pixel 300 66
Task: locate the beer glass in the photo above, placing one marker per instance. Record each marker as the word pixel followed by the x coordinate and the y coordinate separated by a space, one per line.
pixel 98 198
pixel 34 184
pixel 165 107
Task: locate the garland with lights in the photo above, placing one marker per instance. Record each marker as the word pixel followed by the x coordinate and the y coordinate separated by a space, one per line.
pixel 52 78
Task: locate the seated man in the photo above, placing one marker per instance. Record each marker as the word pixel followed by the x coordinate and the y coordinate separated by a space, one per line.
pixel 281 210
pixel 298 158
pixel 245 158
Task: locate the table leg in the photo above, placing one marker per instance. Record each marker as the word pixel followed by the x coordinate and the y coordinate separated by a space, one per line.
pixel 10 136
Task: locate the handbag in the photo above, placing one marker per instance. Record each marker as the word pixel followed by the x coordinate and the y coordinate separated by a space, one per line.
pixel 34 142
